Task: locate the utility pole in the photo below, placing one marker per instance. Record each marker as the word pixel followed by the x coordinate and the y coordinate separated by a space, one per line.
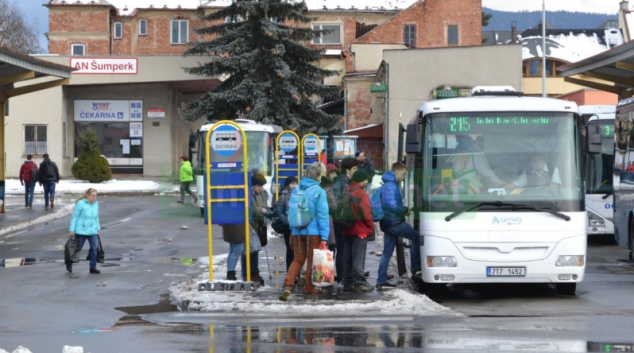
pixel 544 94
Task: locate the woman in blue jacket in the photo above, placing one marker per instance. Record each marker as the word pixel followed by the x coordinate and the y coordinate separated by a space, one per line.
pixel 84 225
pixel 315 234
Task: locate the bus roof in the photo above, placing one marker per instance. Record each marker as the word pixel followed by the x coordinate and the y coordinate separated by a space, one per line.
pixel 598 112
pixel 497 104
pixel 246 126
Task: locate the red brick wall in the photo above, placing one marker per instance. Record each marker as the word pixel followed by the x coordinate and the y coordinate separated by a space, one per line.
pixel 93 46
pixel 431 18
pixel 78 19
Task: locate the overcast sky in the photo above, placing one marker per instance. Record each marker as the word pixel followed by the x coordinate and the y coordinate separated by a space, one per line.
pixel 37 13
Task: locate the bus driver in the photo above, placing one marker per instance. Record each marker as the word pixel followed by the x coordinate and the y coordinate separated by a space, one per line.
pixel 539 176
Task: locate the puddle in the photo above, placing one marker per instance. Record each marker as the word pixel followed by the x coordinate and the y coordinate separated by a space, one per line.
pixel 163 306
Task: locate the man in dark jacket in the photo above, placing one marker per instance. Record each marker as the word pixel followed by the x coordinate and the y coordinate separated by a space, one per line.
pixel 341 183
pixel 49 176
pixel 393 224
pixel 366 165
pixel 355 238
pixel 27 180
pixel 280 211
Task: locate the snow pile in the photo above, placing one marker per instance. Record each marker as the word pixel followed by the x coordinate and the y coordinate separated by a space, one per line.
pixel 66 349
pixel 61 213
pixel 13 187
pixel 264 300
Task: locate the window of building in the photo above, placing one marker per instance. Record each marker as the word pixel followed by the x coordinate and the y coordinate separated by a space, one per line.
pixel 142 27
pixel 180 32
pixel 78 49
pixel 35 139
pixel 110 135
pixel 409 35
pixel 332 37
pixel 237 20
pixel 118 30
pixel 452 35
pixel 533 67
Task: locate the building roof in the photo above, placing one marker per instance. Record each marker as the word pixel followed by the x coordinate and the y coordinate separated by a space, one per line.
pixel 570 45
pixel 496 37
pixel 12 63
pixel 128 7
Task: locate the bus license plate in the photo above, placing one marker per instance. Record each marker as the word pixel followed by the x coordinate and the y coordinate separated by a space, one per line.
pixel 506 271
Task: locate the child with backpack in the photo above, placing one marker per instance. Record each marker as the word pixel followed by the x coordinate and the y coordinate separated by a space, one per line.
pixel 28 178
pixel 309 221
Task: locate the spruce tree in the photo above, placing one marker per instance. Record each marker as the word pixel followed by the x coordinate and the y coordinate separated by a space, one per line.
pixel 272 77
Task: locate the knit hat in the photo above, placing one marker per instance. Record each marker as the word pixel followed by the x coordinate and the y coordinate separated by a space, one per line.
pixel 325 181
pixel 258 179
pixel 288 181
pixel 331 168
pixel 360 176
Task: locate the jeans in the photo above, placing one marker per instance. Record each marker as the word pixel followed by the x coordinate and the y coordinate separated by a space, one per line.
pixel 49 191
pixel 29 188
pixel 339 243
pixel 389 243
pixel 235 251
pixel 93 241
pixel 354 260
pixel 254 263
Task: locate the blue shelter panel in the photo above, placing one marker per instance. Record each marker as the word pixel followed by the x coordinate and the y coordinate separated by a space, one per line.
pixel 227 212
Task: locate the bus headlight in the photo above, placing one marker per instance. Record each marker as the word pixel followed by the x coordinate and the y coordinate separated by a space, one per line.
pixel 570 261
pixel 594 220
pixel 441 261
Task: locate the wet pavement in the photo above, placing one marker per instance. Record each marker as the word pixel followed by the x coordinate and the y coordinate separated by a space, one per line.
pixel 125 308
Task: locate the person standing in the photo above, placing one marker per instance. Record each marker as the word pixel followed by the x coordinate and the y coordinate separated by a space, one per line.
pixel 366 165
pixel 341 183
pixel 326 184
pixel 332 172
pixel 323 159
pixel 187 177
pixel 355 238
pixel 314 235
pixel 85 226
pixel 393 224
pixel 259 210
pixel 282 217
pixel 49 176
pixel 28 178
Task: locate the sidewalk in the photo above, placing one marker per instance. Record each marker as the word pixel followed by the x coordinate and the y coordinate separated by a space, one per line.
pixel 75 187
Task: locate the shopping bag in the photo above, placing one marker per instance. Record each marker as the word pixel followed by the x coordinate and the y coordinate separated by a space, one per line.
pixel 254 242
pixel 323 268
pixel 101 257
pixel 71 251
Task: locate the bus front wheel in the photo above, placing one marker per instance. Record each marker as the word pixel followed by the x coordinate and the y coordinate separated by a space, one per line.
pixel 430 288
pixel 566 288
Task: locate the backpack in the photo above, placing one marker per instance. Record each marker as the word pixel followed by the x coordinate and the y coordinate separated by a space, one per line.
pixel 346 219
pixel 34 174
pixel 376 200
pixel 49 170
pixel 299 209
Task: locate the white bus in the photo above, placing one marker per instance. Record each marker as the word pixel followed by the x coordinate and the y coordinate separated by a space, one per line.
pixel 260 152
pixel 598 170
pixel 497 186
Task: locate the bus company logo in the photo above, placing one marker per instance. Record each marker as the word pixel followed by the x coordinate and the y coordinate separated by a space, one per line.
pixel 507 220
pixel 101 106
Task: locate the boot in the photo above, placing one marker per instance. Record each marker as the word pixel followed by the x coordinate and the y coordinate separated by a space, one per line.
pixel 255 277
pixel 231 276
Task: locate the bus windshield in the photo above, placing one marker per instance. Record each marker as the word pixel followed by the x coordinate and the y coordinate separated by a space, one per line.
pixel 259 156
pixel 527 158
pixel 599 166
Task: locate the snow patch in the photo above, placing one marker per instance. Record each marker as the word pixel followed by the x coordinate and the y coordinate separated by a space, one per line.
pixel 13 187
pixel 68 209
pixel 70 349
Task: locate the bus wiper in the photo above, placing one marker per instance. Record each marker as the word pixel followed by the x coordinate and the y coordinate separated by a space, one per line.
pixel 607 195
pixel 496 203
pixel 540 209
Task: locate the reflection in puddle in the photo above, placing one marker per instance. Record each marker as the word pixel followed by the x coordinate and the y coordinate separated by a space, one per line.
pixel 391 336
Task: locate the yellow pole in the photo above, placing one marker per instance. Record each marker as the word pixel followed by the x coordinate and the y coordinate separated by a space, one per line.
pixel 245 187
pixel 2 159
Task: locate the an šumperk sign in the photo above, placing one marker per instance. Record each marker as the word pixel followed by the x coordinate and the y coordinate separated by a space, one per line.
pixel 378 87
pixel 288 142
pixel 449 92
pixel 311 145
pixel 104 66
pixel 225 140
pixel 108 110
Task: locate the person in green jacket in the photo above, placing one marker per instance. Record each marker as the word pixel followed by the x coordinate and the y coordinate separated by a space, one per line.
pixel 187 177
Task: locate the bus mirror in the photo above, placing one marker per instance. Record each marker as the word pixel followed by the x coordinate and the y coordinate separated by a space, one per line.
pixel 413 143
pixel 593 139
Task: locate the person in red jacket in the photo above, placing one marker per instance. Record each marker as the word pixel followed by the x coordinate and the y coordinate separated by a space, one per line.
pixel 27 180
pixel 355 238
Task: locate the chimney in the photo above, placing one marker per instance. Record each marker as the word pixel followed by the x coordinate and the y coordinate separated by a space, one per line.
pixel 539 26
pixel 513 32
pixel 625 5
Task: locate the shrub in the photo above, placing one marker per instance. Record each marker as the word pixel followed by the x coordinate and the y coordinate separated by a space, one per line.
pixel 90 165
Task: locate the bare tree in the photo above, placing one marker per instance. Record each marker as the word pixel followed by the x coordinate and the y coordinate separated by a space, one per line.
pixel 15 32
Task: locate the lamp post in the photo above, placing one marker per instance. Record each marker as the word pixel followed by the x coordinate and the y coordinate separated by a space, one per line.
pixel 544 94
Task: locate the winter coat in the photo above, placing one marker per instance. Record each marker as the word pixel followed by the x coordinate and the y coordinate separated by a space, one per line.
pixel 258 202
pixel 281 206
pixel 341 183
pixel 85 220
pixel 392 203
pixel 368 167
pixel 44 167
pixel 187 174
pixel 235 233
pixel 332 206
pixel 318 208
pixel 362 211
pixel 25 171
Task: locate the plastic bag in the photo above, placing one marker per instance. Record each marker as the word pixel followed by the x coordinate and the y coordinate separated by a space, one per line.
pixel 323 268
